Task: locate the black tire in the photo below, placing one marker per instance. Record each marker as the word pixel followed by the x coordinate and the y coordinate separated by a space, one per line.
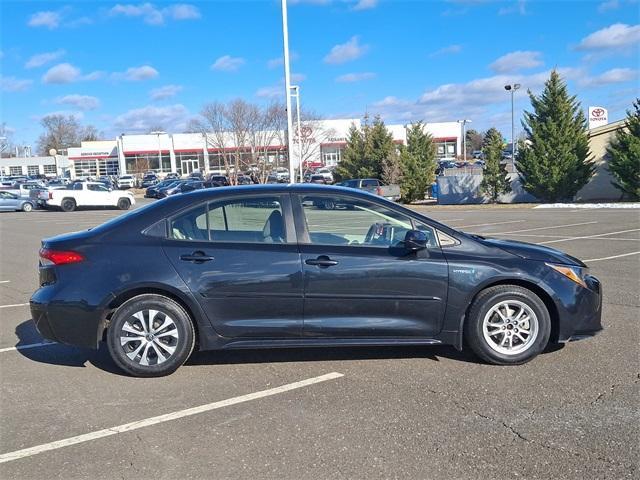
pixel 27 207
pixel 486 349
pixel 182 345
pixel 124 204
pixel 68 205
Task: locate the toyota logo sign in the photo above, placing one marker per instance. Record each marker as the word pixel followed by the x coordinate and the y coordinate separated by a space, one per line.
pixel 598 116
pixel 598 112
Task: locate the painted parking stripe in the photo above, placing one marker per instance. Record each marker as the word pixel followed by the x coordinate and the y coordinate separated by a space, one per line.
pixel 589 236
pixel 567 236
pixel 545 228
pixel 489 224
pixel 26 347
pixel 5 281
pixel 611 257
pixel 167 417
pixel 14 305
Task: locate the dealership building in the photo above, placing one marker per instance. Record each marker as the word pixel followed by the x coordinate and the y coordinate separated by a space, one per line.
pixel 319 143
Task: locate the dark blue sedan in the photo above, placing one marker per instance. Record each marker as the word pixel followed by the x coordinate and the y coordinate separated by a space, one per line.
pixel 264 266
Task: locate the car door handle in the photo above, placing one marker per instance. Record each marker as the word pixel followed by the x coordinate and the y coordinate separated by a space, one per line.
pixel 197 257
pixel 322 261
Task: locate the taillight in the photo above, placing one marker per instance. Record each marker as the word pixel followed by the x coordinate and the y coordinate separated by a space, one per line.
pixel 59 257
pixel 50 195
pixel 379 191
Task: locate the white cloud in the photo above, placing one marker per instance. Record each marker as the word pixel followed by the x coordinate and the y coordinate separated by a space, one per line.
pixel 355 77
pixel 346 52
pixel 449 50
pixel 62 73
pixel 81 102
pixel 172 117
pixel 520 7
pixel 279 61
pixel 277 90
pixel 365 4
pixel 614 37
pixel 43 58
pixel 165 92
pixel 48 19
pixel 227 63
pixel 615 75
pixel 153 15
pixel 515 61
pixel 607 5
pixel 136 74
pixel 13 84
pixel 67 73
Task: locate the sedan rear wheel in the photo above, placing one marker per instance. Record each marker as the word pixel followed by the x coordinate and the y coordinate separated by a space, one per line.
pixel 27 207
pixel 124 204
pixel 150 336
pixel 507 325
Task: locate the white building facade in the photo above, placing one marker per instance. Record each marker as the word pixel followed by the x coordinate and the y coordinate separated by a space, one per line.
pixel 320 143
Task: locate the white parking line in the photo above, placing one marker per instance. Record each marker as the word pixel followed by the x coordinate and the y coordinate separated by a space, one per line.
pixel 545 228
pixel 567 236
pixel 167 417
pixel 488 224
pixel 5 281
pixel 589 236
pixel 26 347
pixel 611 257
pixel 14 305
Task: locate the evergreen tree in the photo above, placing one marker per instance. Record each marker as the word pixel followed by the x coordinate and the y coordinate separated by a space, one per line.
pixel 367 150
pixel 495 180
pixel 417 163
pixel 624 155
pixel 554 164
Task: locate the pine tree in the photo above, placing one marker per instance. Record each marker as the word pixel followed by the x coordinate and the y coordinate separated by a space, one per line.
pixel 624 154
pixel 417 162
pixel 495 180
pixel 555 163
pixel 367 150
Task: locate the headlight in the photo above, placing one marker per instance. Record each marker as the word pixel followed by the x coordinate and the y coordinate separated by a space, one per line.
pixel 572 273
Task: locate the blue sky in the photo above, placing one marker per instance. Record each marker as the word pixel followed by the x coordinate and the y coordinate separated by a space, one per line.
pixel 125 67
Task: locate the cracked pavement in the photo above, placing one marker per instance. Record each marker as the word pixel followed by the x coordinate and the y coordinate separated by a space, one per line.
pixel 413 412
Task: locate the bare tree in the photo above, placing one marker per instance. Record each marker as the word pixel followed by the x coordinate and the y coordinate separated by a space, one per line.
pixel 214 127
pixel 311 136
pixel 62 132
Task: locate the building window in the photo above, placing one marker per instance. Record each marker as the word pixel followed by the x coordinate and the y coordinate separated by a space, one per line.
pixel 446 149
pixel 143 162
pixel 33 170
pixel 85 168
pixel 49 169
pixel 331 156
pixel 15 170
pixel 188 162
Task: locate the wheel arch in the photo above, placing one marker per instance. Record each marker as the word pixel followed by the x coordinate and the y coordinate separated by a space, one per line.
pixel 529 285
pixel 126 295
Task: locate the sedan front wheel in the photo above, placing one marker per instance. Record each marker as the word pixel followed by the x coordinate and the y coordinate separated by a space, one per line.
pixel 507 325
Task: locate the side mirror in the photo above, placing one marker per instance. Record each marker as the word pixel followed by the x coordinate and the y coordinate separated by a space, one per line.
pixel 415 240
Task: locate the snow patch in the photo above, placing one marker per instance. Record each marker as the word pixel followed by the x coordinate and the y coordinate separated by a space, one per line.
pixel 589 205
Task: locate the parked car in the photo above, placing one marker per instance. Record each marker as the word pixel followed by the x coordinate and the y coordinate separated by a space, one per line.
pixel 281 174
pixel 12 202
pixel 478 154
pixel 216 181
pixel 86 194
pixel 244 180
pixel 171 176
pixel 127 181
pixel 196 176
pixel 152 192
pixel 149 180
pixel 23 189
pixel 375 186
pixel 183 186
pixel 372 274
pixel 318 178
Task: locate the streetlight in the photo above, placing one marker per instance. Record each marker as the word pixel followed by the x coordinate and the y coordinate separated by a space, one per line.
pixel 54 153
pixel 296 94
pixel 512 89
pixel 464 138
pixel 287 86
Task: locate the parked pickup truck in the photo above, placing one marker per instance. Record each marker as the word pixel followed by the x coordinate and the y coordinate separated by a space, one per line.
pixel 375 186
pixel 23 189
pixel 84 194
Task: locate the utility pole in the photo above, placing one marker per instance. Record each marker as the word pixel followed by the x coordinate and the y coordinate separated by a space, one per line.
pixel 287 88
pixel 464 138
pixel 512 89
pixel 296 89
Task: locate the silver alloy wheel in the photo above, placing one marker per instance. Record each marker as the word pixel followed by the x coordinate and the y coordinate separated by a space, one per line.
pixel 510 327
pixel 149 337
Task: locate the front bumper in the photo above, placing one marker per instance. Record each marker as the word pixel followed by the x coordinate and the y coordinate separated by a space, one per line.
pixel 583 314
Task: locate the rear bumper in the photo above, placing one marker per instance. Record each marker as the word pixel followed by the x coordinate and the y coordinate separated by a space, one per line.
pixel 72 323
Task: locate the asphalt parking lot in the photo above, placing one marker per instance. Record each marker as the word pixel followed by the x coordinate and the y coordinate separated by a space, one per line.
pixel 417 412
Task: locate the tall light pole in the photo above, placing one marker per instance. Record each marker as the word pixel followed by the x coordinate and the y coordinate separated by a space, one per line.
pixel 287 87
pixel 464 138
pixel 296 94
pixel 512 89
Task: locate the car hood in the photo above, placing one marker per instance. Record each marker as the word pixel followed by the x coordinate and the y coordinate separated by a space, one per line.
pixel 531 251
